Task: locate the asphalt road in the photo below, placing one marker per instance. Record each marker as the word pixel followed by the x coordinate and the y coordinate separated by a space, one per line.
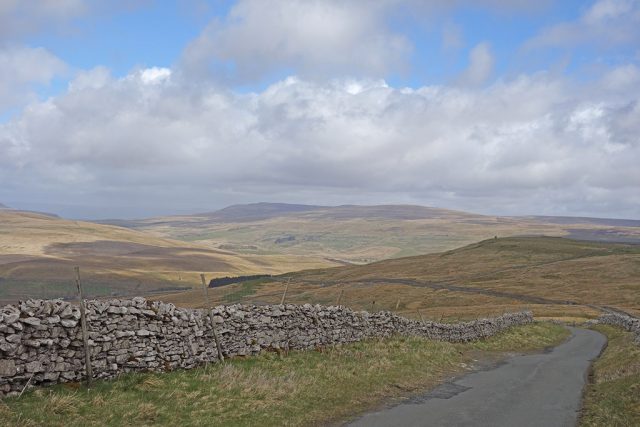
pixel 530 390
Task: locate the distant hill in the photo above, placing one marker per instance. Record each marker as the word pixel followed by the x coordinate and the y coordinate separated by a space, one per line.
pixel 257 211
pixel 262 211
pixel 38 253
pixel 586 220
pixel 361 234
pixel 3 206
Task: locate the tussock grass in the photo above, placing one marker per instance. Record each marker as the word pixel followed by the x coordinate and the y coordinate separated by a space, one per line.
pixel 301 388
pixel 613 397
pixel 533 337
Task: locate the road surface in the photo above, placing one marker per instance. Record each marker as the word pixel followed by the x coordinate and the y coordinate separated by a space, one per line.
pixel 530 390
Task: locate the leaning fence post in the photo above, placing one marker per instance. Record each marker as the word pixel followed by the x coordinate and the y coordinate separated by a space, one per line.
pixel 213 324
pixel 286 288
pixel 397 304
pixel 85 335
pixel 340 296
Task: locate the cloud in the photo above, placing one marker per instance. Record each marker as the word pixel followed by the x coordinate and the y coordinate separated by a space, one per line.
pixel 314 38
pixel 480 67
pixel 606 23
pixel 18 17
pixel 25 68
pixel 258 40
pixel 452 36
pixel 534 144
pixel 21 68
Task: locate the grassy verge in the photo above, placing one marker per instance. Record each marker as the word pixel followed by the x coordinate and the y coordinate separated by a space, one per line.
pixel 301 388
pixel 613 397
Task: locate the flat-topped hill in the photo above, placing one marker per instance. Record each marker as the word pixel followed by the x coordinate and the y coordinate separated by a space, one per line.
pixel 362 234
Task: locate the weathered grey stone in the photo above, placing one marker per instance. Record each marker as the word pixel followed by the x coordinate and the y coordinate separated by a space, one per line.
pixel 66 312
pixel 51 376
pixel 7 368
pixel 13 338
pixel 68 323
pixel 53 319
pixel 11 317
pixel 34 366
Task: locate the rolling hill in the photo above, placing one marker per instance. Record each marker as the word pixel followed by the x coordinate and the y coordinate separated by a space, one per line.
pixel 160 255
pixel 552 276
pixel 38 253
pixel 362 234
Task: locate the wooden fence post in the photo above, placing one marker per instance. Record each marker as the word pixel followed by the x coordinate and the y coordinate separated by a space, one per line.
pixel 340 296
pixel 85 334
pixel 397 304
pixel 420 314
pixel 373 303
pixel 284 295
pixel 213 324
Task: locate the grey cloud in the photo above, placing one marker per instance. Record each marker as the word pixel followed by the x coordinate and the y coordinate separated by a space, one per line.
pixel 452 36
pixel 19 17
pixel 535 144
pixel 314 38
pixel 321 39
pixel 480 67
pixel 605 23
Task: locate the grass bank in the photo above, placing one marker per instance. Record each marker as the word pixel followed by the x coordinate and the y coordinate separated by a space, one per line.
pixel 301 388
pixel 613 396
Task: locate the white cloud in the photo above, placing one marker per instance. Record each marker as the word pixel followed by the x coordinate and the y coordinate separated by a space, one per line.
pixel 21 68
pixel 261 39
pixel 480 67
pixel 314 38
pixel 155 75
pixel 605 23
pixel 533 144
pixel 622 77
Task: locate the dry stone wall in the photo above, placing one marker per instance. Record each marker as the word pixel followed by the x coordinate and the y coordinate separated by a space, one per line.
pixel 627 323
pixel 41 340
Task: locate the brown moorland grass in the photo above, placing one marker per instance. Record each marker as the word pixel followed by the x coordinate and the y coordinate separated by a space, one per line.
pixel 486 278
pixel 38 253
pixel 559 270
pixel 301 388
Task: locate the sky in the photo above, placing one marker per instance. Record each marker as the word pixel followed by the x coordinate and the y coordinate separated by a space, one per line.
pixel 127 109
